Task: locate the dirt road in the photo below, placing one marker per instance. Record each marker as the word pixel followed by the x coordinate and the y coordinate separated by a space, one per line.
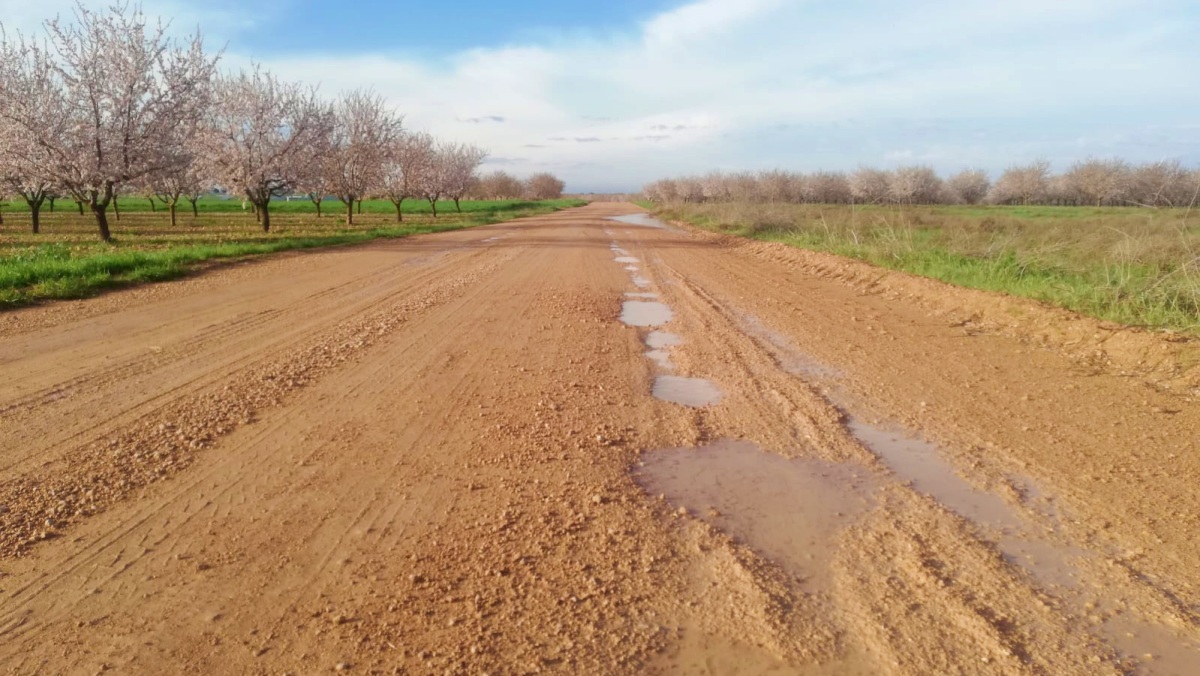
pixel 573 444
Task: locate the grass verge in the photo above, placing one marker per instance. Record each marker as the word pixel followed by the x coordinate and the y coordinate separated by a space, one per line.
pixel 64 269
pixel 1139 267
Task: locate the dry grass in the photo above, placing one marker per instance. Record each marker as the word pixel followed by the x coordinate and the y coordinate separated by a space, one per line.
pixel 1132 265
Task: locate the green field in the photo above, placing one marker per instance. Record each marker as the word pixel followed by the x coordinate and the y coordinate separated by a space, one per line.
pixel 67 259
pixel 1131 265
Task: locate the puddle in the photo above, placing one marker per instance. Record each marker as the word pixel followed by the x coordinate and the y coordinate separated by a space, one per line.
pixel 790 511
pixel 658 340
pixel 694 392
pixel 660 343
pixel 641 282
pixel 645 313
pixel 625 259
pixel 662 358
pixel 632 268
pixel 920 463
pixel 640 294
pixel 641 219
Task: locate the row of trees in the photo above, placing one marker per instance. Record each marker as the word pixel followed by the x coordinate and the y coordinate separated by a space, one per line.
pixel 109 104
pixel 1098 182
pixel 499 185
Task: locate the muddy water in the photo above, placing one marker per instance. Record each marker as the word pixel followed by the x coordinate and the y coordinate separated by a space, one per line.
pixel 661 340
pixel 645 220
pixel 693 392
pixel 645 313
pixel 790 511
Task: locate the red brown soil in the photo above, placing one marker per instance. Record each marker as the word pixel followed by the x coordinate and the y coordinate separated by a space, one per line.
pixel 422 455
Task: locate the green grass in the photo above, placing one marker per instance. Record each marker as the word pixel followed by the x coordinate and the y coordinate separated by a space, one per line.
pixel 67 260
pixel 1134 266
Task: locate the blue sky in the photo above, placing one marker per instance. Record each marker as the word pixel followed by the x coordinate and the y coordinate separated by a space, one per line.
pixel 612 94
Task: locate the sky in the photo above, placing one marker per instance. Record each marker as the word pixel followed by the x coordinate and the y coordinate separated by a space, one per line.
pixel 612 94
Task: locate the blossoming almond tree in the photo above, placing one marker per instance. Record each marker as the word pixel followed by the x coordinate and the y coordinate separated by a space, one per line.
pixel 364 130
pixel 106 100
pixel 407 162
pixel 261 136
pixel 461 174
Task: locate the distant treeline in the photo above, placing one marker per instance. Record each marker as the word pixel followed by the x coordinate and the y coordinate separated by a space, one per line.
pixel 1092 182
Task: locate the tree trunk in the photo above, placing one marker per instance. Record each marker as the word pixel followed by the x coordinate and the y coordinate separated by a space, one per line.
pixel 433 205
pixel 116 202
pixel 360 206
pixel 195 211
pixel 456 207
pixel 153 209
pixel 317 203
pixel 264 214
pixel 399 214
pixel 171 206
pixel 350 212
pixel 80 205
pixel 35 213
pixel 51 200
pixel 101 213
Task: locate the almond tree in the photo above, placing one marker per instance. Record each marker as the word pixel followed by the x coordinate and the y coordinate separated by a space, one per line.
pixel 498 185
pixel 105 100
pixel 869 186
pixel 184 181
pixel 1098 181
pixel 364 130
pixel 432 180
pixel 1024 184
pixel 464 161
pixel 969 186
pixel 1163 183
pixel 409 160
pixel 259 136
pixel 829 187
pixel 544 186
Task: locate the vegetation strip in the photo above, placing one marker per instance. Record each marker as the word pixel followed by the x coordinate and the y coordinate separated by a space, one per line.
pixel 1139 267
pixel 54 271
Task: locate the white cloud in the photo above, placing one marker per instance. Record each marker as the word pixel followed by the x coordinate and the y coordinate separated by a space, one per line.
pixel 760 83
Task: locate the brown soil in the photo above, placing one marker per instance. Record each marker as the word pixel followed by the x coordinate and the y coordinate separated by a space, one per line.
pixel 443 454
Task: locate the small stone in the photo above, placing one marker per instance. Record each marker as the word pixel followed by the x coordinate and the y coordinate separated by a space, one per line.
pixel 342 666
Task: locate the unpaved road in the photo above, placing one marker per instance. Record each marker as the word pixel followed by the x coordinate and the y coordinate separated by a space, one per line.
pixel 444 454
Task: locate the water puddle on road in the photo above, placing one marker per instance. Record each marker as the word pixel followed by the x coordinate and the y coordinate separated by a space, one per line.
pixel 789 511
pixel 661 340
pixel 645 220
pixel 920 464
pixel 693 392
pixel 645 313
pixel 625 259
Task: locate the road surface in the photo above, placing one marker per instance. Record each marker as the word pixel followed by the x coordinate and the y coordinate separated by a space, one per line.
pixel 580 445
